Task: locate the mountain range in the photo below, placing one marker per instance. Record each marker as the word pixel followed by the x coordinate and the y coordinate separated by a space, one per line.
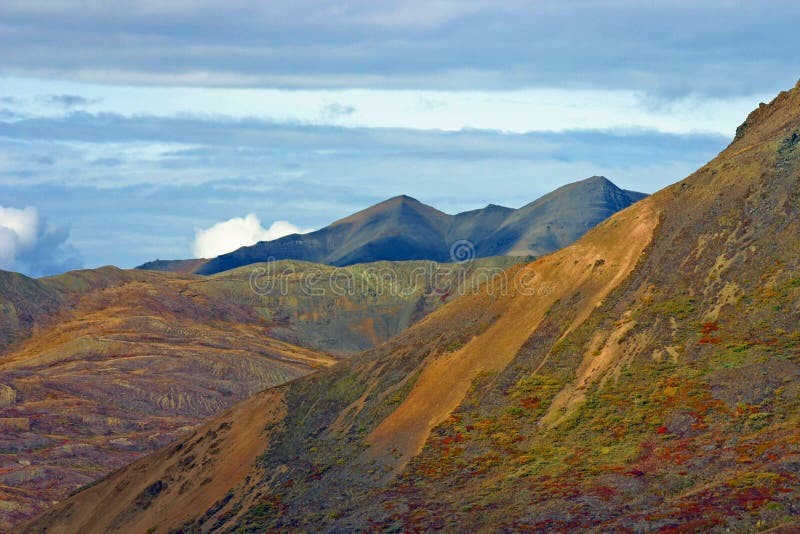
pixel 645 378
pixel 402 228
pixel 98 367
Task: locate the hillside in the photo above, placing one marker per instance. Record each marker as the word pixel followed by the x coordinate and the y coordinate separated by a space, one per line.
pixel 103 366
pixel 108 365
pixel 23 302
pixel 646 378
pixel 345 310
pixel 402 228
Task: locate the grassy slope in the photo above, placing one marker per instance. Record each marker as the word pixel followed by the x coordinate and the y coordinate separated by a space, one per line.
pixel 344 310
pixel 650 382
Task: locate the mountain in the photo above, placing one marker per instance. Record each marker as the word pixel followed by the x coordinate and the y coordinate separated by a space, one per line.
pixel 345 310
pixel 174 266
pixel 99 367
pixel 556 220
pixel 403 228
pixel 646 378
pixel 103 366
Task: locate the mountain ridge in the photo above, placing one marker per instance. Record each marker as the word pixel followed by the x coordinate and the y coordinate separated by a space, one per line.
pixel 402 228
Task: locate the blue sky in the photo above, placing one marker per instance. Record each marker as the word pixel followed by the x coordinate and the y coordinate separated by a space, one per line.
pixel 135 131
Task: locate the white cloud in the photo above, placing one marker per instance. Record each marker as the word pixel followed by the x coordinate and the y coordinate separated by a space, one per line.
pixel 18 232
pixel 32 247
pixel 229 235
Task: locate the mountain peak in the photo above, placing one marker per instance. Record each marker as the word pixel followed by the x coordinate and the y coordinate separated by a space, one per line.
pixel 400 199
pixel 393 202
pixel 403 228
pixel 768 118
pixel 389 204
pixel 581 187
pixel 406 198
pixel 596 180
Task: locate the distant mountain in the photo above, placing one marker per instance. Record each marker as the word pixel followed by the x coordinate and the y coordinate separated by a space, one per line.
pixel 403 228
pixel 643 379
pixel 557 219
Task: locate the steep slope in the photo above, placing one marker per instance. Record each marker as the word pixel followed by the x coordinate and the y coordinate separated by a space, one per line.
pixel 646 378
pixel 117 364
pixel 403 228
pixel 110 364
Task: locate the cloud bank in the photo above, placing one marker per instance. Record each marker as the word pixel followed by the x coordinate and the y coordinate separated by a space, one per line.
pixel 65 101
pixel 666 48
pixel 229 235
pixel 30 246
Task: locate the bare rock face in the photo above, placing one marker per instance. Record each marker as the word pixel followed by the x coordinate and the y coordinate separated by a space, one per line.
pixel 8 396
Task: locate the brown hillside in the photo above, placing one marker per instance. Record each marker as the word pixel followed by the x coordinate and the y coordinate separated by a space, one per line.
pixel 645 379
pixel 130 363
pixel 110 364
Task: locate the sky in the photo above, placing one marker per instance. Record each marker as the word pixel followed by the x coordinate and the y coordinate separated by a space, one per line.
pixel 131 131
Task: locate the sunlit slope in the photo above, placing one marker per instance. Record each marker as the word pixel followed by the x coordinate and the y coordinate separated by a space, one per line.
pixel 644 379
pixel 110 364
